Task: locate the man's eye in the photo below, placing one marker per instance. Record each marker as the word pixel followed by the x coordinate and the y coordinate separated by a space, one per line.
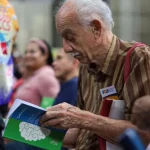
pixel 70 38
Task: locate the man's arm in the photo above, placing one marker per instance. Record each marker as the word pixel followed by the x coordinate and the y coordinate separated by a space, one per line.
pixel 109 129
pixel 66 116
pixel 71 138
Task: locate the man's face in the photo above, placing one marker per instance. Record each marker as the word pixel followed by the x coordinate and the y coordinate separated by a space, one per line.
pixel 63 65
pixel 77 39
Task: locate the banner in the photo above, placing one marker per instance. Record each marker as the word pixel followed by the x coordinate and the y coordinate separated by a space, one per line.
pixel 8 31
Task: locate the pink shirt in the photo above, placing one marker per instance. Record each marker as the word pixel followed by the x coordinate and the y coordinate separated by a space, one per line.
pixel 42 84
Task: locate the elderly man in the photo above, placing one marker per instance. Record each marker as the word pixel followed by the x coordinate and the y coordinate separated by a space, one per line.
pixel 86 29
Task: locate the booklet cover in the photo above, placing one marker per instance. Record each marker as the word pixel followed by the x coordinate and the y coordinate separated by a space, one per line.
pixel 22 124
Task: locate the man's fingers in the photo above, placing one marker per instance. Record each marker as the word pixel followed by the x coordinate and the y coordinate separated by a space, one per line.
pixel 58 107
pixel 54 108
pixel 52 123
pixel 50 115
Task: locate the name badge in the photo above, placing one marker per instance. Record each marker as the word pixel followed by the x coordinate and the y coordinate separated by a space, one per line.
pixel 109 92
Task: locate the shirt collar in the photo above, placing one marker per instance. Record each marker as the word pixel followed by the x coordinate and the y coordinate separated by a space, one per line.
pixel 107 68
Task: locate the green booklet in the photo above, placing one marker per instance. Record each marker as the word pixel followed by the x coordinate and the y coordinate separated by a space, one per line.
pixel 22 124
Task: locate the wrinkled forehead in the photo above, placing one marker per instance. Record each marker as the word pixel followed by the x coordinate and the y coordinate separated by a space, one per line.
pixel 67 8
pixel 65 16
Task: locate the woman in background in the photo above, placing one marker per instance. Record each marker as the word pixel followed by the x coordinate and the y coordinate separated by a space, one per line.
pixel 38 79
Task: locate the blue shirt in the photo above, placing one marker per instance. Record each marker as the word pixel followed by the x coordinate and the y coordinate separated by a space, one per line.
pixel 68 92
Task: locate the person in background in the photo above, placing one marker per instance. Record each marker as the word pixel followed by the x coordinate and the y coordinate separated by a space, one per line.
pixel 38 80
pixel 141 114
pixel 66 70
pixel 86 29
pixel 18 82
pixel 39 77
pixel 21 71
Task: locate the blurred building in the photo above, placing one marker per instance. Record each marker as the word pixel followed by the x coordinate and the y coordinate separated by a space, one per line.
pixel 36 19
pixel 131 19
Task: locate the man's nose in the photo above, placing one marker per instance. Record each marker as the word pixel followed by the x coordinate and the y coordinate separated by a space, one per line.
pixel 67 48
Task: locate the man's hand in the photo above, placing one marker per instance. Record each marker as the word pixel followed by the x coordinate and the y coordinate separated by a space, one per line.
pixel 62 116
pixel 141 113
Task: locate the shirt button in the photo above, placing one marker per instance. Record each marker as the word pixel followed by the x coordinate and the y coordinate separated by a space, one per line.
pixel 87 141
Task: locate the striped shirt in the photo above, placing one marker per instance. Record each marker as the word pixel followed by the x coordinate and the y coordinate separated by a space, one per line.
pixel 92 79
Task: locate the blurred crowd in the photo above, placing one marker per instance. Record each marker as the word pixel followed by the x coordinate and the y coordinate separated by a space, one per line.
pixel 38 76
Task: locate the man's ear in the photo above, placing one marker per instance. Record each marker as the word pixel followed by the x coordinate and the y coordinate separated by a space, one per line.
pixel 96 28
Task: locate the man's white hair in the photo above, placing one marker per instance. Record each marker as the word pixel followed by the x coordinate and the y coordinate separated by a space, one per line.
pixel 94 9
pixel 87 10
